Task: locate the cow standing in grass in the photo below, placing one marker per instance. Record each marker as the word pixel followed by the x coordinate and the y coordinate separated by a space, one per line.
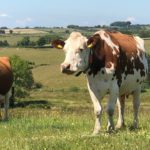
pixel 6 80
pixel 114 63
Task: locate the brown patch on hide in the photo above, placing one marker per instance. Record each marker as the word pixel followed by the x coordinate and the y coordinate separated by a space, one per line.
pixel 6 75
pixel 102 54
pixel 125 60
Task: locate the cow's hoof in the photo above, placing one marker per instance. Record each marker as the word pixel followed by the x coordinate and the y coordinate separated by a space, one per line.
pixel 110 128
pixel 120 126
pixel 95 133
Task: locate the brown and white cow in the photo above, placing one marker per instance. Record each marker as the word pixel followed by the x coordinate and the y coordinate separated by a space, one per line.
pixel 114 63
pixel 6 80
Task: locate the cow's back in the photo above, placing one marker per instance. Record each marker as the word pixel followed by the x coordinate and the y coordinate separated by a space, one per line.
pixel 6 75
pixel 132 65
pixel 126 42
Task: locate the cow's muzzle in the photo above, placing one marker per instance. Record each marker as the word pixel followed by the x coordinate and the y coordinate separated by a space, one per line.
pixel 66 69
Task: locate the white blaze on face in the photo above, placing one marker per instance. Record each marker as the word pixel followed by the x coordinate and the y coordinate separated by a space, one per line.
pixel 76 54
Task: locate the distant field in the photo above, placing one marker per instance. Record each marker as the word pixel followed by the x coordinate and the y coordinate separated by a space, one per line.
pixel 13 39
pixel 34 34
pixel 48 75
pixel 60 115
pixel 26 31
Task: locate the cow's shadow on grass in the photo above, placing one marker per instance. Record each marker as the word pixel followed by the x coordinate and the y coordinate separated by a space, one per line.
pixel 33 104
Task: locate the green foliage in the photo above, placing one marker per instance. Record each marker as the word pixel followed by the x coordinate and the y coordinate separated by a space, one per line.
pixel 53 36
pixel 11 31
pixel 2 31
pixel 4 27
pixel 47 39
pixel 121 23
pixel 144 33
pixel 25 42
pixel 23 78
pixel 67 31
pixel 42 41
pixel 73 26
pixel 4 43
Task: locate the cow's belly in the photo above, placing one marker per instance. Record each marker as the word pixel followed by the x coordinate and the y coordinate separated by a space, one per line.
pixel 130 84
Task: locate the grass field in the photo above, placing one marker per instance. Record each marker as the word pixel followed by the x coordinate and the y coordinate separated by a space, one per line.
pixel 60 114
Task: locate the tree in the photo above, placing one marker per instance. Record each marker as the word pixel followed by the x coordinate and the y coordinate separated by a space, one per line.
pixel 121 24
pixel 4 28
pixel 42 41
pixel 144 33
pixel 73 26
pixel 25 42
pixel 97 26
pixel 2 31
pixel 11 31
pixel 23 78
pixel 67 31
pixel 4 43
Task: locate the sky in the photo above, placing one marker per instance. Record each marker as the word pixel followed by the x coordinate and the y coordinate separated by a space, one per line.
pixel 60 13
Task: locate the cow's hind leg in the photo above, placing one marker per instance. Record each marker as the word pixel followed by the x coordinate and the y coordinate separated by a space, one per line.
pixel 136 105
pixel 2 100
pixel 121 106
pixel 6 105
pixel 0 112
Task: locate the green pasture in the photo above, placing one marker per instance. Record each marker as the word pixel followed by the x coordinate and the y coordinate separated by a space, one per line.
pixel 60 115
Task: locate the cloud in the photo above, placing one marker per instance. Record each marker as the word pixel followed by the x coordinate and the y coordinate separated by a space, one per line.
pixel 131 19
pixel 23 22
pixel 3 15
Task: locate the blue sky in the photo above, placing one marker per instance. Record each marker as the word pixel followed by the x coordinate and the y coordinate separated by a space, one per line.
pixel 21 13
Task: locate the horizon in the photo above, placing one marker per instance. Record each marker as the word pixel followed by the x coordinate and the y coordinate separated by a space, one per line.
pixel 34 27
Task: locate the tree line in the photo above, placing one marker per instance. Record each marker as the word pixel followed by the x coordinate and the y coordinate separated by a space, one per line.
pixel 27 42
pixel 122 26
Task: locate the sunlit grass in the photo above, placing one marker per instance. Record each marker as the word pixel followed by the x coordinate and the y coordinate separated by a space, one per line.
pixel 32 128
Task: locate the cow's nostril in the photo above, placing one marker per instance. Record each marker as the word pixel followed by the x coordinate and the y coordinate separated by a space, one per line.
pixel 65 68
pixel 68 67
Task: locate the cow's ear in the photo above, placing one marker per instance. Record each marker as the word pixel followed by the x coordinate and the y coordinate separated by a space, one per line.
pixel 92 41
pixel 58 44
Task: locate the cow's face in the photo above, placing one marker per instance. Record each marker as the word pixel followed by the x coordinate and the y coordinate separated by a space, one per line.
pixel 76 53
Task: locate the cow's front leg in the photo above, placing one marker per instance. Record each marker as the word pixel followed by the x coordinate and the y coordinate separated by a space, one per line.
pixel 114 91
pixel 121 106
pixel 95 96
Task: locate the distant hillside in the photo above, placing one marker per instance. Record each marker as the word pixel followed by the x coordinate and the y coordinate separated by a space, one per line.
pixel 25 31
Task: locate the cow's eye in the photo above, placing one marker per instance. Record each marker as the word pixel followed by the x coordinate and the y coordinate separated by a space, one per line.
pixel 81 49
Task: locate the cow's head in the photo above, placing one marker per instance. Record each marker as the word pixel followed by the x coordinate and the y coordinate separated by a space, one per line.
pixel 76 53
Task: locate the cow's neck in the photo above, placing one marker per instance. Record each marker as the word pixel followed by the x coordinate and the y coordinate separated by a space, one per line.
pixel 97 63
